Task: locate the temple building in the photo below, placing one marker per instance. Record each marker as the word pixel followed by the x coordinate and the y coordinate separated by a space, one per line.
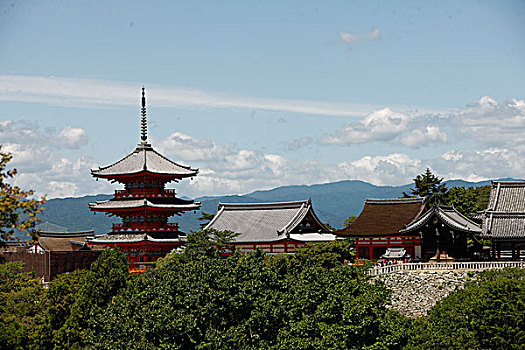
pixel 435 234
pixel 504 219
pixel 53 253
pixel 445 234
pixel 273 227
pixel 377 227
pixel 144 205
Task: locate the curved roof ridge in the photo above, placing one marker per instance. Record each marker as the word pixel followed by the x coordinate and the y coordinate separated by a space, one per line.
pixel 171 161
pixel 395 200
pixel 136 150
pixel 264 205
pixel 442 213
pixel 66 234
pixel 301 213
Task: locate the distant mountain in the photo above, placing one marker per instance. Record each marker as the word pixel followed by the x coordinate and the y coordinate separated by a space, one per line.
pixel 333 203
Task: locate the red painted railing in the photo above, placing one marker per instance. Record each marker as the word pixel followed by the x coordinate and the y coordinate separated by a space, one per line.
pixel 150 227
pixel 143 192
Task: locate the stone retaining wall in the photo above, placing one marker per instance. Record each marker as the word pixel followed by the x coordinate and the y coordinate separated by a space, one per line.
pixel 415 292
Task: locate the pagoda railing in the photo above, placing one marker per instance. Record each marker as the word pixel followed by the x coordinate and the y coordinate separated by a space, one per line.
pixel 148 193
pixel 149 227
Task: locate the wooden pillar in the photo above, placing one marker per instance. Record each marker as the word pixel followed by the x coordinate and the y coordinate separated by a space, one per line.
pixel 371 251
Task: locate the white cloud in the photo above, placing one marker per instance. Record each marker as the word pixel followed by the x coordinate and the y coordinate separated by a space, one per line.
pixel 226 168
pixel 350 38
pixel 71 137
pixel 382 170
pixel 37 155
pixel 93 93
pixel 493 123
pixel 388 126
pixel 99 93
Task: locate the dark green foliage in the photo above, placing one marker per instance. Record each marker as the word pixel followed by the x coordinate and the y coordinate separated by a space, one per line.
pixel 428 184
pixel 468 200
pixel 105 279
pixel 350 220
pixel 60 297
pixel 488 314
pixel 326 254
pixel 210 242
pixel 22 323
pixel 205 219
pixel 250 301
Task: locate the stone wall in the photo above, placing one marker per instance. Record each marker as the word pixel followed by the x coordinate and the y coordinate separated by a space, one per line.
pixel 415 292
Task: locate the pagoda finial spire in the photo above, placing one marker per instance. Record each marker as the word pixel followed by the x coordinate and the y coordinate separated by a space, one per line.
pixel 144 121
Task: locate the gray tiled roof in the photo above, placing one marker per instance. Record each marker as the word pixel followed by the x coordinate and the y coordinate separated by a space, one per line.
pixel 138 203
pixel 505 216
pixel 448 216
pixel 507 196
pixel 144 158
pixel 504 226
pixel 269 222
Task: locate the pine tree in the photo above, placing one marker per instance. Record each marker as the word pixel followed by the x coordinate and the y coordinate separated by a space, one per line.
pixel 428 184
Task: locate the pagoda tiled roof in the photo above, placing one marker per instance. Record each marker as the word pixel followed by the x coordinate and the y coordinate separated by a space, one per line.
pixel 448 215
pixel 505 216
pixel 270 222
pixel 384 217
pixel 144 159
pixel 172 203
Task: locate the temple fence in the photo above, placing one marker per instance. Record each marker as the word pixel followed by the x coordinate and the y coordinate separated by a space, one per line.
pixel 474 265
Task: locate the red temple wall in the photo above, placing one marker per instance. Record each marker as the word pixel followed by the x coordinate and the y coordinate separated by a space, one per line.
pixel 373 247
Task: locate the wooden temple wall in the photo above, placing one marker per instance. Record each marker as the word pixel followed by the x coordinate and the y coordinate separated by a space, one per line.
pixel 50 264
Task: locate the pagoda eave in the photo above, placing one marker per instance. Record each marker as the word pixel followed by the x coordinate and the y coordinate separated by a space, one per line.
pixel 145 208
pixel 165 177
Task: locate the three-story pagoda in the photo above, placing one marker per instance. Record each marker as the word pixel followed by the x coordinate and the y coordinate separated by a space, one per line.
pixel 144 205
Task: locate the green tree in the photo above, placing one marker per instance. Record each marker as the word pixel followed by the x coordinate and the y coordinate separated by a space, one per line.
pixel 61 295
pixel 428 184
pixel 23 322
pixel 488 314
pixel 468 200
pixel 107 277
pixel 205 219
pixel 349 221
pixel 211 242
pixel 18 209
pixel 251 301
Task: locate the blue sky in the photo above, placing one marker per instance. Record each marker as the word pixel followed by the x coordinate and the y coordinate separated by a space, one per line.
pixel 263 94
